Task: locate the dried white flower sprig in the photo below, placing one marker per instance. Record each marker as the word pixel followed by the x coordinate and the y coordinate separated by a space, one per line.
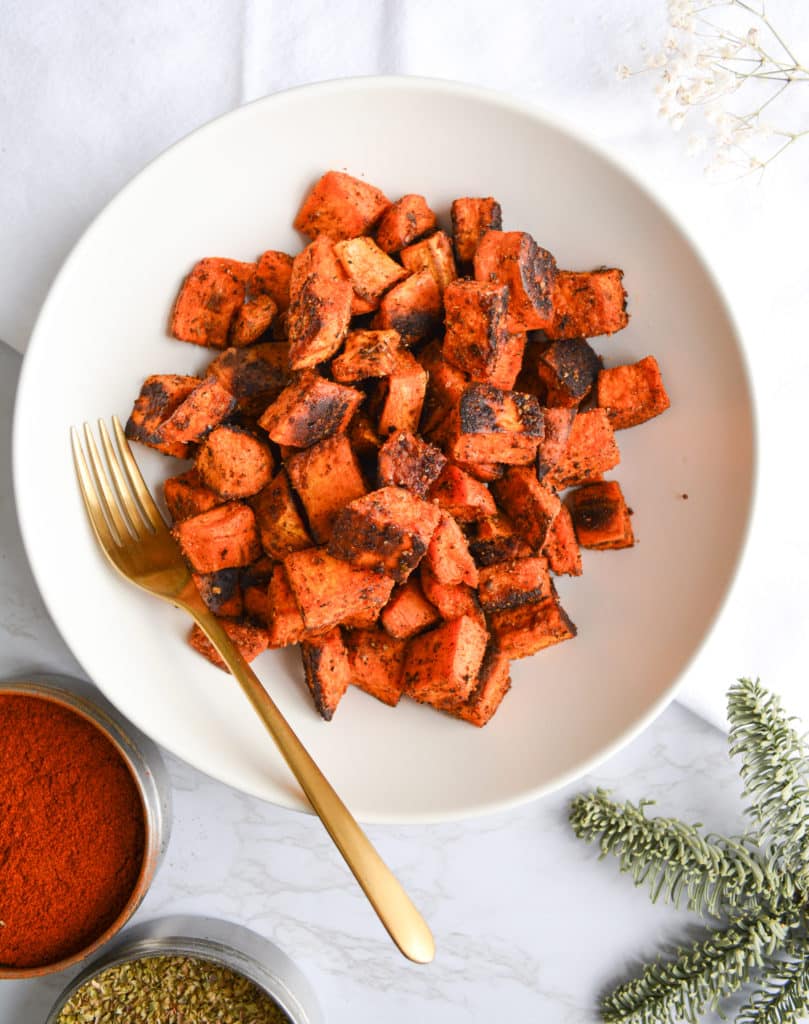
pixel 727 70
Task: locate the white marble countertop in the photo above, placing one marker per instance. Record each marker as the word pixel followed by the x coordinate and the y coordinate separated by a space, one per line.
pixel 529 924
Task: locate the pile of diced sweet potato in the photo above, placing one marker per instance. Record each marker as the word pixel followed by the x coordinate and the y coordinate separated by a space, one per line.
pixel 380 444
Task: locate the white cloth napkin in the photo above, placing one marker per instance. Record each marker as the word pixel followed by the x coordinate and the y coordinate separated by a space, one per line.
pixel 91 92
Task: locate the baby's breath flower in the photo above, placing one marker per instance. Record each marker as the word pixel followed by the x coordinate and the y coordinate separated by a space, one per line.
pixel 622 71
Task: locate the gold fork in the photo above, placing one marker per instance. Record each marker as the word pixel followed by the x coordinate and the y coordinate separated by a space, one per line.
pixel 135 538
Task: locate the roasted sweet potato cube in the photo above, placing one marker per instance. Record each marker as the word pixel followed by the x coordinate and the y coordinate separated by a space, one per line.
pixel 309 410
pixel 408 612
pixel 369 269
pixel 221 591
pixel 493 684
pixel 476 326
pixel 433 254
pixel 586 305
pixel 507 365
pixel 558 423
pixel 496 540
pixel 591 450
pixel 442 666
pixel 206 406
pixel 280 524
pixel 402 223
pixel 471 219
pixel 285 623
pixel 326 478
pixel 632 394
pixel 451 599
pixel 271 277
pixel 561 547
pixel 221 538
pixel 445 385
pixel 405 389
pixel 341 206
pixel 364 439
pixel 405 460
pixel 234 463
pixel 329 590
pixel 521 632
pixel 513 258
pixel 367 354
pixel 327 670
pixel 448 556
pixel 511 584
pixel 318 320
pixel 256 605
pixel 462 496
pixel 208 300
pixel 252 320
pixel 483 471
pixel 159 396
pixel 320 258
pixel 377 663
pixel 528 503
pixel 600 516
pixel 413 308
pixel 250 641
pixel 496 426
pixel 387 531
pixel 569 370
pixel 255 376
pixel 187 496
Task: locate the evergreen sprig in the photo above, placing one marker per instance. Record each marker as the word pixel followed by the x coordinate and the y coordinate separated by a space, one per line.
pixel 757 885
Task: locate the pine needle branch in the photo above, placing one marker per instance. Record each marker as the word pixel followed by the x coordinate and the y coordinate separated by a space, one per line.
pixel 699 976
pixel 784 994
pixel 715 874
pixel 775 767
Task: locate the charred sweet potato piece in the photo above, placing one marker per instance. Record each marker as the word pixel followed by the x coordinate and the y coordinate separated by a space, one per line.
pixel 496 426
pixel 600 516
pixel 221 538
pixel 413 308
pixel 505 369
pixel 363 438
pixel 496 540
pixel 511 584
pixel 561 547
pixel 256 604
pixel 591 450
pixel 319 258
pixel 445 385
pixel 280 525
pixel 327 670
pixel 586 305
pixel 187 496
pixel 208 301
pixel 329 590
pixel 318 320
pixel 408 612
pixel 255 376
pixel 471 219
pixel 252 320
pixel 405 460
pixel 632 394
pixel 442 666
pixel 451 599
pixel 513 258
pixel 528 502
pixel 476 327
pixel 405 389
pixel 433 254
pixel 234 463
pixel 285 623
pixel 326 478
pixel 521 632
pixel 250 641
pixel 206 406
pixel 271 277
pixel 377 663
pixel 387 531
pixel 462 496
pixel 160 395
pixel 221 591
pixel 558 423
pixel 309 410
pixel 367 354
pixel 341 206
pixel 569 370
pixel 493 684
pixel 369 269
pixel 448 556
pixel 402 223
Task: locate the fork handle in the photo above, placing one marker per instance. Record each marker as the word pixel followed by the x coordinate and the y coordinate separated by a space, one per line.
pixel 396 911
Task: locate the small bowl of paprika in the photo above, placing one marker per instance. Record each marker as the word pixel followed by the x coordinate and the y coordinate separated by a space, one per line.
pixel 84 823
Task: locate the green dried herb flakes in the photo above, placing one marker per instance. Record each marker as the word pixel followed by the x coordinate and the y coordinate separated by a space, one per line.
pixel 170 990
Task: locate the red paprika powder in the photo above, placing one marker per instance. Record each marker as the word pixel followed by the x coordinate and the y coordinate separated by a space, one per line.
pixel 72 832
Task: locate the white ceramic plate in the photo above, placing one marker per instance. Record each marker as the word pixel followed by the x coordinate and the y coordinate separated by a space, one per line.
pixel 232 189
